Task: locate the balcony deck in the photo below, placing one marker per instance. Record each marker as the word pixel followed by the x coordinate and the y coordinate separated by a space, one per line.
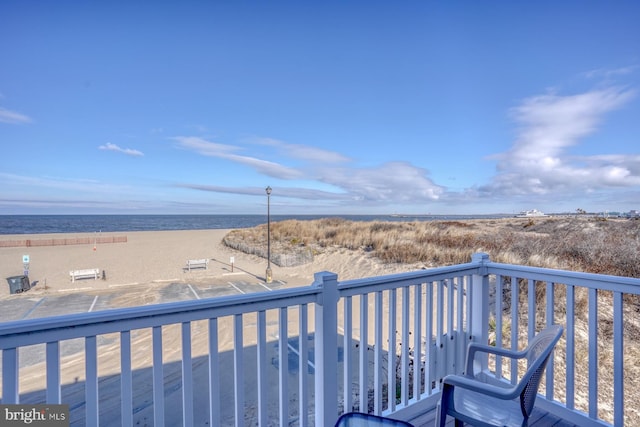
pixel 539 418
pixel 236 360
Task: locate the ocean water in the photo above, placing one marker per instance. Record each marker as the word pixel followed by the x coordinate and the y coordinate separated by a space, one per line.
pixel 42 224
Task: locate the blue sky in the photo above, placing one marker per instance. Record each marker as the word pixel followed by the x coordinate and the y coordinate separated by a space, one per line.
pixel 341 107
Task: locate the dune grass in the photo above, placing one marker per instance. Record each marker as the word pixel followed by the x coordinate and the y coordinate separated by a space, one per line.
pixel 575 243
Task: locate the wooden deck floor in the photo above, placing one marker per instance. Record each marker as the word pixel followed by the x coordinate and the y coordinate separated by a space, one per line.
pixel 539 418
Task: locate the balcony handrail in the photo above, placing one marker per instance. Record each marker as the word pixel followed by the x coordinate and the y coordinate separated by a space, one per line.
pixel 390 281
pixel 604 282
pixel 25 332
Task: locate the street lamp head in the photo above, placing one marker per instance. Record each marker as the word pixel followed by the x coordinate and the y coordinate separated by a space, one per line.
pixel 268 190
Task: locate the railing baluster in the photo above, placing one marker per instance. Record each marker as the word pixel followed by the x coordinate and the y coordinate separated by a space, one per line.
pixel 126 393
pixel 551 304
pixel 303 385
pixel 262 368
pixel 238 370
pixel 391 358
pixel 498 317
pixel 593 353
pixel 214 375
pixel 417 340
pixel 461 343
pixel 404 392
pixel 10 369
pixel 440 358
pixel 53 373
pixel 377 365
pixel 91 382
pixel 364 353
pixel 531 301
pixel 451 361
pixel 346 363
pixel 469 308
pixel 618 359
pixel 515 326
pixel 571 346
pixel 158 378
pixel 428 333
pixel 283 367
pixel 187 376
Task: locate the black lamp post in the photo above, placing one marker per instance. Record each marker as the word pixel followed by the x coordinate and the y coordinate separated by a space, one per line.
pixel 269 274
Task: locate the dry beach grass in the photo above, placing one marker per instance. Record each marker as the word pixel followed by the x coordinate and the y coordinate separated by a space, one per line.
pixel 576 243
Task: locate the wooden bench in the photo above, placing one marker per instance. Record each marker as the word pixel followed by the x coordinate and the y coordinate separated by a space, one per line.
pixel 84 274
pixel 197 263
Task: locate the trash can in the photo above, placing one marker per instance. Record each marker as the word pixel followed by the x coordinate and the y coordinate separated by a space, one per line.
pixel 18 284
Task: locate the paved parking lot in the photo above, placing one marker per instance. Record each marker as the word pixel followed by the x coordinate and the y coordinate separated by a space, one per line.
pixel 37 304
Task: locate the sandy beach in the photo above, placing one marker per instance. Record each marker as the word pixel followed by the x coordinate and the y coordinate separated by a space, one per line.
pixel 150 257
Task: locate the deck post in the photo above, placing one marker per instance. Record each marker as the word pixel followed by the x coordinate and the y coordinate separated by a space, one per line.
pixel 479 327
pixel 326 349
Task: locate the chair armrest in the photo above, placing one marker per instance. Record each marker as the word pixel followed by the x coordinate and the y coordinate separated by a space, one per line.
pixel 474 348
pixel 480 387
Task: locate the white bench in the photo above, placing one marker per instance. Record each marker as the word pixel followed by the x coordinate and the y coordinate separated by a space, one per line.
pixel 197 263
pixel 84 274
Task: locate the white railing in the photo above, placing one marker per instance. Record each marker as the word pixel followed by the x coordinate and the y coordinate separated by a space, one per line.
pixel 268 358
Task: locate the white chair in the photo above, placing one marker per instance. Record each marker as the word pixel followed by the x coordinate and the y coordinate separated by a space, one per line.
pixel 483 400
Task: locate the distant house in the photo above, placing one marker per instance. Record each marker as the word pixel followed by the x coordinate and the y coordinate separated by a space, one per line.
pixel 634 213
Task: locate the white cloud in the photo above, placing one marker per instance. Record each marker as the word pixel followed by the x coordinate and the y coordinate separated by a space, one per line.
pixel 11 117
pixel 607 73
pixel 272 169
pixel 224 151
pixel 538 162
pixel 303 152
pixel 113 147
pixel 204 147
pixel 390 182
pixel 286 192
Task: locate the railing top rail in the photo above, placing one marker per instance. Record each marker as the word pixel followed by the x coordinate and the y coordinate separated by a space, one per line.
pixel 589 280
pixel 391 281
pixel 41 330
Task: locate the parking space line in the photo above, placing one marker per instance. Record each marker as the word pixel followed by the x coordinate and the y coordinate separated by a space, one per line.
pixel 237 288
pixel 297 353
pixel 124 284
pixel 33 308
pixel 93 304
pixel 295 350
pixel 265 286
pixel 193 290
